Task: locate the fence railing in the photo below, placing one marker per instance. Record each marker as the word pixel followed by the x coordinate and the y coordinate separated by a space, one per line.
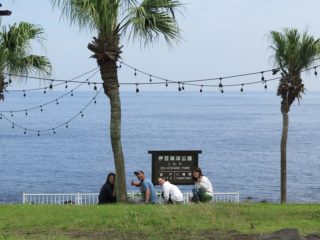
pixel 60 198
pixel 92 198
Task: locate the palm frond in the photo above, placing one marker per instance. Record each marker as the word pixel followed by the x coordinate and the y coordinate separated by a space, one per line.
pixel 15 48
pixel 18 37
pixel 95 14
pixel 32 63
pixel 278 46
pixel 152 19
pixel 293 52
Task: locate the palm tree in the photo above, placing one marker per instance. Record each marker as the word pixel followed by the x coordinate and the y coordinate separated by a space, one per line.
pixel 293 52
pixel 15 57
pixel 111 20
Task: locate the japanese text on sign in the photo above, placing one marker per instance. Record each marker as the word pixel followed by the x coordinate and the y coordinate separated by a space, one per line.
pixel 174 166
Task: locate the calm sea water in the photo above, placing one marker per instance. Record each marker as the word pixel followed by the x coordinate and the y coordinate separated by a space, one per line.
pixel 238 133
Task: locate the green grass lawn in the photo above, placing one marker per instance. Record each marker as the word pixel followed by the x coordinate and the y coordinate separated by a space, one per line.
pixel 124 221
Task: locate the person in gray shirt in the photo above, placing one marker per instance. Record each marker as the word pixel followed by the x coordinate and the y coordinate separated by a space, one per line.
pixel 147 189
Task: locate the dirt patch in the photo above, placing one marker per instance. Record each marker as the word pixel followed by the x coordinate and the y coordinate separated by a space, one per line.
pixel 99 235
pixel 179 234
pixel 230 235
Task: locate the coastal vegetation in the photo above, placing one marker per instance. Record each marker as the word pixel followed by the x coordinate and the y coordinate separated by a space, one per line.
pixel 293 53
pixel 111 20
pixel 125 221
pixel 16 57
pixel 15 53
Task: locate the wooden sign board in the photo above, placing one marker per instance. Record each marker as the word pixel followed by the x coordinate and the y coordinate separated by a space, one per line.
pixel 175 166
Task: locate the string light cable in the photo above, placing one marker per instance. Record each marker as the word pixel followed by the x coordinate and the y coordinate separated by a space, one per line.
pixel 52 129
pixel 275 70
pixel 194 82
pixel 55 100
pixel 62 81
pixel 181 84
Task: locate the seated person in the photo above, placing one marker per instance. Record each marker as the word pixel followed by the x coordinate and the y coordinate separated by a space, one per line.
pixel 108 191
pixel 170 193
pixel 202 191
pixel 146 187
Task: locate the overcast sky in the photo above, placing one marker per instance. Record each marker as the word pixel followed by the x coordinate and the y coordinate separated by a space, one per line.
pixel 220 38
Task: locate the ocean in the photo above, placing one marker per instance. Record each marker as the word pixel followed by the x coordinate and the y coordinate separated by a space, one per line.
pixel 238 133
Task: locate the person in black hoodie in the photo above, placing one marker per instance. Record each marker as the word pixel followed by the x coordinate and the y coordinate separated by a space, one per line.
pixel 108 191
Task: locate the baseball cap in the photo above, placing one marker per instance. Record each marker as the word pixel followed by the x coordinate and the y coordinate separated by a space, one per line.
pixel 138 171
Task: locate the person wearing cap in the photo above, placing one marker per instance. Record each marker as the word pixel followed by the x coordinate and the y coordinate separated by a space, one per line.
pixel 147 189
pixel 170 193
pixel 108 191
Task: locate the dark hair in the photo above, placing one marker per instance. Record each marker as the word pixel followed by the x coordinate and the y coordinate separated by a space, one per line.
pixel 109 175
pixel 197 169
pixel 137 172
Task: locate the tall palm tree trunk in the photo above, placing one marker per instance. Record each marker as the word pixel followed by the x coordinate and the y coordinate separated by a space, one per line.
pixel 2 87
pixel 109 75
pixel 284 138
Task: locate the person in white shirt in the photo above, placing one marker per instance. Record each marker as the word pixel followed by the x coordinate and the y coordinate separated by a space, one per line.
pixel 171 193
pixel 203 190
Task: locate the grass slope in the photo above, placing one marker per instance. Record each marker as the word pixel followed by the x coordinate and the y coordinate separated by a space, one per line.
pixel 196 221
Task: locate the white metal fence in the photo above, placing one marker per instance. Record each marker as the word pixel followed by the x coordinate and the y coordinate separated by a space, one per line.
pixel 92 198
pixel 226 197
pixel 60 198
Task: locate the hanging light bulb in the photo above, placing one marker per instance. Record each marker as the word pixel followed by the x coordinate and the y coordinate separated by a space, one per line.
pixel 41 109
pixel 66 85
pixel 137 88
pixel 67 125
pixel 24 93
pixel 135 72
pixel 26 113
pixel 179 87
pixel 262 77
pixel 11 114
pixel 221 86
pixel 241 90
pixel 12 125
pixel 166 83
pixel 315 71
pixel 265 86
pixel 81 114
pixel 275 71
pixel 201 88
pixel 10 80
pixel 51 86
pixel 150 78
pixel 45 90
pixel 183 86
pixel 25 131
pixel 71 93
pixel 57 102
pixel 38 133
pixel 53 130
pixel 94 100
pixel 95 87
